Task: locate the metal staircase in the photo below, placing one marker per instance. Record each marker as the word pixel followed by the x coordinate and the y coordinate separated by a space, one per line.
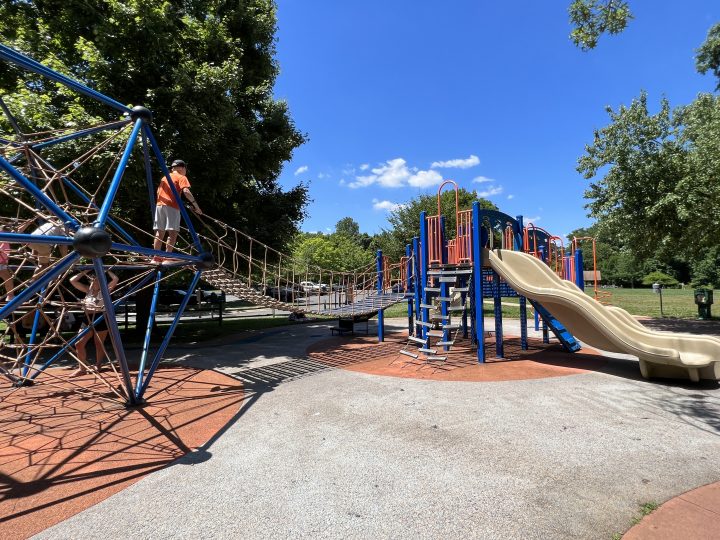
pixel 442 309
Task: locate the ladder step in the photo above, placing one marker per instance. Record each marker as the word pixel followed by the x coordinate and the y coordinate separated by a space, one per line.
pixel 427 351
pixel 454 272
pixel 456 308
pixel 435 333
pixel 461 289
pixel 447 279
pixel 432 289
pixel 427 306
pixel 418 340
pixel 423 323
pixel 445 299
pixel 408 353
pixel 450 326
pixel 438 317
pixel 444 343
pixel 438 358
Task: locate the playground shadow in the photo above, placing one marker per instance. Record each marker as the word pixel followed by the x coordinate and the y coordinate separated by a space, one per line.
pixel 61 452
pixel 687 326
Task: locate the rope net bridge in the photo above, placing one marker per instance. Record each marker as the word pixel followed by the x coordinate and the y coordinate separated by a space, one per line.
pixel 70 259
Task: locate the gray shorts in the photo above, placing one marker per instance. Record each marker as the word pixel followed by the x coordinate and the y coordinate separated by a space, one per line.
pixel 167 218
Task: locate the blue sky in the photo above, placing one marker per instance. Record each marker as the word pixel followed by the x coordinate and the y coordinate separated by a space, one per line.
pixel 397 95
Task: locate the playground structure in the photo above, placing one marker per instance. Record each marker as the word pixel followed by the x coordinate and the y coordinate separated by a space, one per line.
pixel 444 276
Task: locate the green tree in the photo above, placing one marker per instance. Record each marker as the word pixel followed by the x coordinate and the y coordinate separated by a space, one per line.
pixel 405 221
pixel 205 68
pixel 349 227
pixel 660 277
pixel 335 252
pixel 708 55
pixel 592 18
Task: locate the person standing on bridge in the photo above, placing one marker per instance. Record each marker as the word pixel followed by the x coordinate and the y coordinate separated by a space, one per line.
pixel 167 209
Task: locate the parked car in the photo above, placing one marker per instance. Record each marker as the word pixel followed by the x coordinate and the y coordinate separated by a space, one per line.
pixel 313 288
pixel 285 294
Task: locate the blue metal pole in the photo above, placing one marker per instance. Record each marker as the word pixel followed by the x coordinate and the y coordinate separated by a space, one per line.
pixel 92 325
pixel 419 286
pixel 408 281
pixel 111 321
pixel 168 336
pixel 28 63
pixel 79 134
pixel 381 313
pixel 43 280
pixel 148 333
pixel 579 272
pixel 36 322
pixel 523 301
pixel 545 335
pixel 497 305
pixel 43 199
pixel 166 173
pixel 444 287
pixel 24 238
pixel 148 175
pixel 463 299
pixel 478 281
pixel 111 221
pixel 117 177
pixel 424 269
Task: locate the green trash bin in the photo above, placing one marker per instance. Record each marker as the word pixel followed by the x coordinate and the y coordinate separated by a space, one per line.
pixel 704 299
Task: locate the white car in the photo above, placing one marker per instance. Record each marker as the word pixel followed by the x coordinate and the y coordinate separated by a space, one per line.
pixel 309 286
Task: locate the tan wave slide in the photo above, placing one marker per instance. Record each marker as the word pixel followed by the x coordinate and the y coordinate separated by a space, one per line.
pixel 661 354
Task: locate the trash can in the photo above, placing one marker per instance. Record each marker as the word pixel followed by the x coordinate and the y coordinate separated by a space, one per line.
pixel 704 299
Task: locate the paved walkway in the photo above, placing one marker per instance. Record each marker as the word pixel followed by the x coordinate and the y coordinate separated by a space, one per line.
pixel 330 453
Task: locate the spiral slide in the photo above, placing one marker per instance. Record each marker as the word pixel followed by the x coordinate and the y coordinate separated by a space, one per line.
pixel 661 354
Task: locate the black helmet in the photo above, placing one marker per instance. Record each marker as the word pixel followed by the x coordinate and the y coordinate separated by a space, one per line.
pixel 178 163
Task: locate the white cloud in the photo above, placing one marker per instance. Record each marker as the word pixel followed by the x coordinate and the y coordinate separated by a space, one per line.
pixel 490 191
pixel 321 176
pixel 342 182
pixel 423 179
pixel 511 196
pixel 386 205
pixel 364 167
pixel 533 220
pixel 482 179
pixel 395 173
pixel 301 169
pixel 472 161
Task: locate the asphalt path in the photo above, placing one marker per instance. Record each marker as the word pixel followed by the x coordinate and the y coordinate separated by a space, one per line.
pixel 327 453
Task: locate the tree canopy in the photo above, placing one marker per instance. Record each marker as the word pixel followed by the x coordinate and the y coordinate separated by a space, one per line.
pixel 205 68
pixel 593 18
pixel 654 189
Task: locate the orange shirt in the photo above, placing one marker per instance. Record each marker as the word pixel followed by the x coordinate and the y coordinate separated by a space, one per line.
pixel 165 194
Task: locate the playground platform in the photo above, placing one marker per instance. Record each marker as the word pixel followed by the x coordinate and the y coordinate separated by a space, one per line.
pixel 317 441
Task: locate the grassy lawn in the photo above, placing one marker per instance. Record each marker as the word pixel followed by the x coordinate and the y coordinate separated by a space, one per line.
pixel 677 303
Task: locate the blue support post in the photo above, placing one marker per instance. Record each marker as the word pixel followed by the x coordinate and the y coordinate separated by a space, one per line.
pixel 579 273
pixel 41 282
pixel 478 282
pixel 497 305
pixel 424 268
pixel 81 133
pixel 381 313
pixel 408 284
pixel 148 175
pixel 36 322
pixel 463 300
pixel 168 335
pixel 520 243
pixel 444 287
pixel 112 325
pixel 117 177
pixel 28 63
pixel 148 333
pixel 419 285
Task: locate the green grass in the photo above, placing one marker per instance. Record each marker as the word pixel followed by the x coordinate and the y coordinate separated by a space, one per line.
pixel 677 303
pixel 192 331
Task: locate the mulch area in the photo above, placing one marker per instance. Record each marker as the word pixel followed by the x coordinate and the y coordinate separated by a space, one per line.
pixel 366 355
pixel 61 453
